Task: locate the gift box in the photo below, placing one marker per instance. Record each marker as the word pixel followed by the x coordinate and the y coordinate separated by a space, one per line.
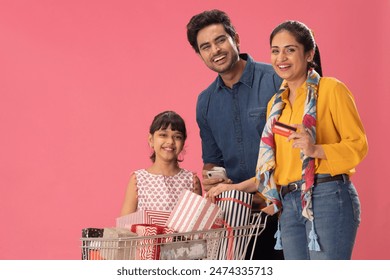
pixel 192 213
pixel 214 240
pixel 236 207
pixel 92 232
pixel 94 255
pixel 143 217
pixel 90 249
pixel 115 246
pixel 149 248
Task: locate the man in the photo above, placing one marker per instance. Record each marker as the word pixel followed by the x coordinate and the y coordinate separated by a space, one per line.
pixel 231 112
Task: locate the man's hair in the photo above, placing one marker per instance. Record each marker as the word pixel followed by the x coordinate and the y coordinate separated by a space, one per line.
pixel 205 19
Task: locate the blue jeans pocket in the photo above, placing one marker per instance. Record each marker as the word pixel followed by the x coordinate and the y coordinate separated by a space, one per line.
pixel 327 201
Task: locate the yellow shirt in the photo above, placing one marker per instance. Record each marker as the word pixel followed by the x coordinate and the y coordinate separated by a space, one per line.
pixel 339 131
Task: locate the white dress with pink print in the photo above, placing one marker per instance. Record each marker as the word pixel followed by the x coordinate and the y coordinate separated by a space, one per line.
pixel 159 192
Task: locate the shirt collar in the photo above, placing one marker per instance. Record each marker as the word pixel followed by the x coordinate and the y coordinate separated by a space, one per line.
pixel 246 77
pixel 301 90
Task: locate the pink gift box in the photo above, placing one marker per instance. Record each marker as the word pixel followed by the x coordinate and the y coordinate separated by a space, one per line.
pixel 149 249
pixel 193 213
pixel 143 217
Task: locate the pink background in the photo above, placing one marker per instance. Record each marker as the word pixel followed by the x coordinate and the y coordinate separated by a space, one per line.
pixel 80 82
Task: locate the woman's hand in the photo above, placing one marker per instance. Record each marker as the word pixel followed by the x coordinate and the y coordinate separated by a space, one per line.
pixel 215 191
pixel 249 185
pixel 303 140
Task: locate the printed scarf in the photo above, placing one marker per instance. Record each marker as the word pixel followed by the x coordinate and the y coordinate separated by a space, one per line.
pixel 266 161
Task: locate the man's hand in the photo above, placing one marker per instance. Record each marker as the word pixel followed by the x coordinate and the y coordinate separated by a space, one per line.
pixel 208 183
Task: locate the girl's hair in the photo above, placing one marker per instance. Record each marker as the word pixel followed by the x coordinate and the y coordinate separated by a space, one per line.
pixel 163 121
pixel 304 36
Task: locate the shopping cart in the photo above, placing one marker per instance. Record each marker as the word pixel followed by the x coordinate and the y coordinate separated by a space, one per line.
pixel 215 244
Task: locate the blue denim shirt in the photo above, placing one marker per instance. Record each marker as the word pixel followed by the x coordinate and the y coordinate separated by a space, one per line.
pixel 231 120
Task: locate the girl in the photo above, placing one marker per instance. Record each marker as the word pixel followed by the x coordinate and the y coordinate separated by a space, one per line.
pixel 159 186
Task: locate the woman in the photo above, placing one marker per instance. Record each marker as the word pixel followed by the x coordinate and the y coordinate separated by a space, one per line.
pixel 305 176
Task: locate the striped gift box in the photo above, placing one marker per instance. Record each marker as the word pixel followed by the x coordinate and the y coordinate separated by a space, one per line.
pixel 143 217
pixel 236 207
pixel 192 213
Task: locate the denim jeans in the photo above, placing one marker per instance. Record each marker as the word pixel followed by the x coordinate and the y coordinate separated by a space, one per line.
pixel 336 209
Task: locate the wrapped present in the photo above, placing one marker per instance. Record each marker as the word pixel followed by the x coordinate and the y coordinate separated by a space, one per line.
pixel 94 255
pixel 193 213
pixel 90 249
pixel 214 240
pixel 236 207
pixel 143 217
pixel 92 232
pixel 115 246
pixel 149 248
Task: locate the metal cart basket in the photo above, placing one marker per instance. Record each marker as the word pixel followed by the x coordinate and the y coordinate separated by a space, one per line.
pixel 214 244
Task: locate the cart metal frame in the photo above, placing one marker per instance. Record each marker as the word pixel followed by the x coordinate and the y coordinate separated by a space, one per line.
pixel 227 243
